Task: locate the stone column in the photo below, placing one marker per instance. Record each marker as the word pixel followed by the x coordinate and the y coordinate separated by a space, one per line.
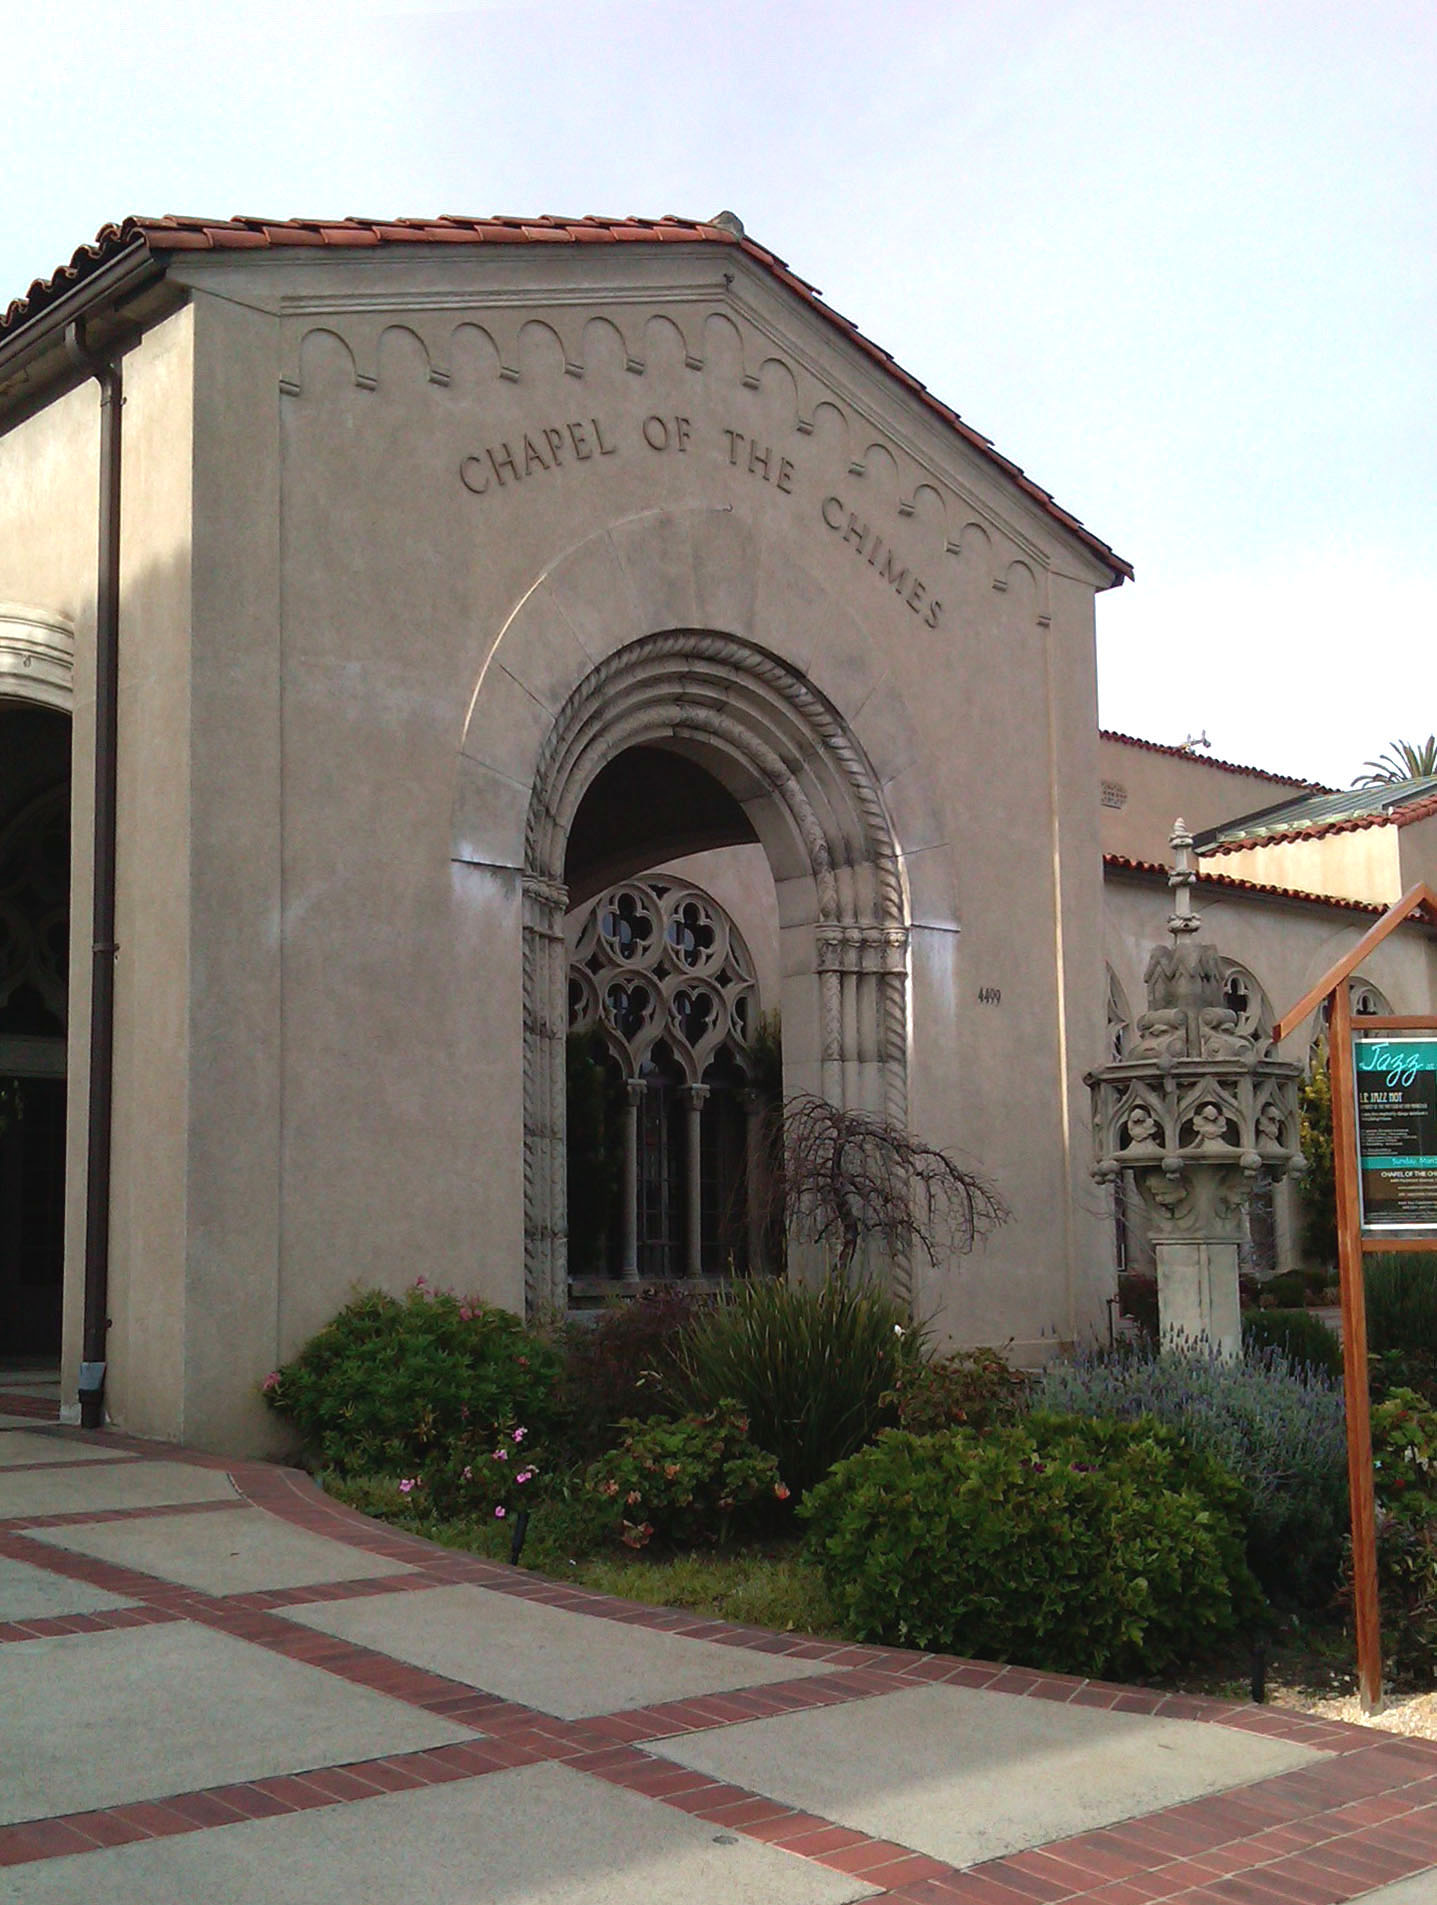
pixel 755 1166
pixel 694 1096
pixel 633 1094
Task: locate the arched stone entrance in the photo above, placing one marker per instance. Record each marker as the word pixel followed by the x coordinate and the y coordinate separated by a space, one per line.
pixel 780 750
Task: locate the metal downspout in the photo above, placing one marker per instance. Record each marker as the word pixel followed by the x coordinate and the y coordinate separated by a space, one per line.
pixel 108 375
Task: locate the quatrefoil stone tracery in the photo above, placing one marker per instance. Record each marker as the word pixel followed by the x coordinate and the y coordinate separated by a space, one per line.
pixel 656 960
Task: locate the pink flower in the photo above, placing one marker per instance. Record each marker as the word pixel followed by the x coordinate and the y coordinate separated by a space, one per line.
pixel 271 1381
pixel 524 1475
pixel 500 1512
pixel 410 1482
pixel 519 1434
pixel 468 1474
pixel 501 1455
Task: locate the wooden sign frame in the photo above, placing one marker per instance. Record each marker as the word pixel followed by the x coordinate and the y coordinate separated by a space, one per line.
pixel 1351 1245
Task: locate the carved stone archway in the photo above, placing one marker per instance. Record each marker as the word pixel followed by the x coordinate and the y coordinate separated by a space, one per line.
pixel 784 753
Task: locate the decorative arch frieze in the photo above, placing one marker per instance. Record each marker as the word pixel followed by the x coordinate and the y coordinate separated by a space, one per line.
pixel 474 355
pixel 783 751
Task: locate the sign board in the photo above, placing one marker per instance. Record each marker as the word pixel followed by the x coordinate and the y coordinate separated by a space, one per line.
pixel 1396 1084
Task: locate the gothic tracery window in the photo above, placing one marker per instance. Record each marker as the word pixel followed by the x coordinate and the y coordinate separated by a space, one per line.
pixel 662 985
pixel 1244 996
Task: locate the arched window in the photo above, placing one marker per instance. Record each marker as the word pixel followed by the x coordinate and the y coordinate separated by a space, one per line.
pixel 662 996
pixel 1244 996
pixel 1368 1002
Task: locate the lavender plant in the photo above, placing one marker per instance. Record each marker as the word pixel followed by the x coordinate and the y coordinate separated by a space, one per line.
pixel 1278 1426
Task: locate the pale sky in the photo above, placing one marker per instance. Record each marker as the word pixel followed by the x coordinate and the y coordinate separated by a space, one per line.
pixel 1178 261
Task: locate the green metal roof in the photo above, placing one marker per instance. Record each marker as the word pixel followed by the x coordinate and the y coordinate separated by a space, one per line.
pixel 1320 812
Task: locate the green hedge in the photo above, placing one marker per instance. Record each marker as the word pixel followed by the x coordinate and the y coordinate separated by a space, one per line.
pixel 422 1384
pixel 1088 1547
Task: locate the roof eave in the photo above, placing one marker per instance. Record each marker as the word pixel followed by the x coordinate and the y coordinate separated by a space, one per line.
pixel 33 357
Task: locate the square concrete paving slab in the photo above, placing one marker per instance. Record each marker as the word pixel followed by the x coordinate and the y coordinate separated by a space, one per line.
pixel 100 1485
pixel 98 1719
pixel 967 1776
pixel 31 1444
pixel 537 1836
pixel 28 1594
pixel 572 1665
pixel 235 1553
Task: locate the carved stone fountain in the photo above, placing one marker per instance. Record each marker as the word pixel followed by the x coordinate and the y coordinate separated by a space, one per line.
pixel 1194 1111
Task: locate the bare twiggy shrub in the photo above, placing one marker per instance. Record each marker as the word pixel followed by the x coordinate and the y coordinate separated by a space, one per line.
pixel 850 1178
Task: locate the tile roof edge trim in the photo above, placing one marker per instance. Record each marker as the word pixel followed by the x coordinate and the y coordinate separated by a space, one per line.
pixel 173 234
pixel 1204 760
pixel 1124 863
pixel 1313 830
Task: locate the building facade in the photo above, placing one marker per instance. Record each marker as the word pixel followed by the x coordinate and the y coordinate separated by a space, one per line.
pixel 533 639
pixel 466 573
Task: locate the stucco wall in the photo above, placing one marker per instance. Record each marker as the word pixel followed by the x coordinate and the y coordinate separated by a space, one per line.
pixel 1143 790
pixel 1362 863
pixel 1285 944
pixel 403 598
pixel 49 482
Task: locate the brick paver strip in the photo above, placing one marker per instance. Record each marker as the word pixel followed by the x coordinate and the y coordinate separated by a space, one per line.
pixel 1365 1816
pixel 34 1408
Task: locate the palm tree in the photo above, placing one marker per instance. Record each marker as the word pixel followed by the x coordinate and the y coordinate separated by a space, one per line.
pixel 1402 761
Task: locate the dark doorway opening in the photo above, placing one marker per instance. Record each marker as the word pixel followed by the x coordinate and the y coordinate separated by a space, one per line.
pixel 34 958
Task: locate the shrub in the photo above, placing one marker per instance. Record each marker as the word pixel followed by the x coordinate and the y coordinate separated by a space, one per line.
pixel 1404 1454
pixel 970 1389
pixel 1414 1369
pixel 809 1367
pixel 1319 1181
pixel 1402 1301
pixel 1404 1450
pixel 1078 1546
pixel 691 1481
pixel 622 1364
pixel 1302 1338
pixel 1138 1299
pixel 1294 1289
pixel 416 1384
pixel 1407 1594
pixel 1280 1429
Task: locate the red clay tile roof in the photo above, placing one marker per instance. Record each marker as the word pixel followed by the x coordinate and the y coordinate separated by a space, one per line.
pixel 175 234
pixel 1120 863
pixel 1228 767
pixel 1419 810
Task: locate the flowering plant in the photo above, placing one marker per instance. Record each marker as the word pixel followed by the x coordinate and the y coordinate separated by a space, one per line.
pixel 419 1386
pixel 693 1480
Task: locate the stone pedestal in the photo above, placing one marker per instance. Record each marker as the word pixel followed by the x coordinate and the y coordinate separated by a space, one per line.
pixel 1193 1113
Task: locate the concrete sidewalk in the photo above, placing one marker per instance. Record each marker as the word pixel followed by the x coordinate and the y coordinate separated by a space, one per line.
pixel 216 1685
